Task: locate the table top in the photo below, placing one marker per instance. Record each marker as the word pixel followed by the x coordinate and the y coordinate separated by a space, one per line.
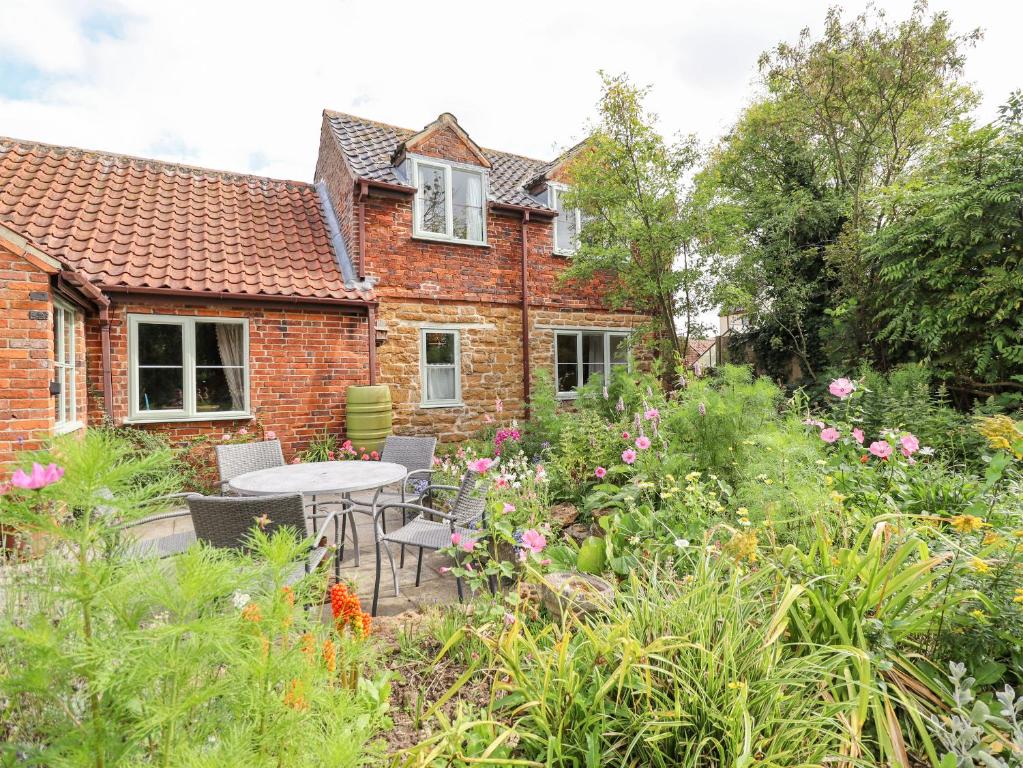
pixel 320 477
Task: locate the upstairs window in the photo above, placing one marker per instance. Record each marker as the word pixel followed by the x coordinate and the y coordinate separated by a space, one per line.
pixel 188 367
pixel 567 224
pixel 450 202
pixel 581 355
pixel 64 371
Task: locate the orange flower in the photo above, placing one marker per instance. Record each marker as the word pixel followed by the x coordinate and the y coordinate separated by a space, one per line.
pixel 330 655
pixel 289 596
pixel 308 645
pixel 295 697
pixel 365 622
pixel 345 606
pixel 252 612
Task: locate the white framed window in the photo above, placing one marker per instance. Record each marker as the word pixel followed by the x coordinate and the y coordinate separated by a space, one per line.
pixel 65 373
pixel 440 357
pixel 184 368
pixel 450 201
pixel 568 223
pixel 580 355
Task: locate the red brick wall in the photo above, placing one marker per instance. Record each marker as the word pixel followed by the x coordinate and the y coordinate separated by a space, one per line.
pixel 26 349
pixel 446 144
pixel 415 268
pixel 300 363
pixel 333 171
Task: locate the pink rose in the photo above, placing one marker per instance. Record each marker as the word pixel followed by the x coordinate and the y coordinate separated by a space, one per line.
pixel 910 444
pixel 534 541
pixel 642 442
pixel 40 478
pixel 481 465
pixel 830 435
pixel 841 388
pixel 858 435
pixel 600 472
pixel 881 449
pixel 629 456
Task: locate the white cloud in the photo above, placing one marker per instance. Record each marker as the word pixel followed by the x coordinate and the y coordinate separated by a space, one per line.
pixel 241 86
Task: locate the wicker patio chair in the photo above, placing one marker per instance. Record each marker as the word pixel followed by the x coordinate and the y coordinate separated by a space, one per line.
pixel 237 459
pixel 466 516
pixel 416 455
pixel 227 521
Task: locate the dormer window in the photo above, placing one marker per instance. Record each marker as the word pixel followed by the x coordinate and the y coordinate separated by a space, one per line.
pixel 449 202
pixel 567 224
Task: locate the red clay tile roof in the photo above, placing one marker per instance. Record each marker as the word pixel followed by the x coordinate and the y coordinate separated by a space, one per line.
pixel 129 222
pixel 369 147
pixel 696 348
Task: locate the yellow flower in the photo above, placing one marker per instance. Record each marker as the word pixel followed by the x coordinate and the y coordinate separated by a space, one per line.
pixel 743 546
pixel 979 565
pixel 837 497
pixel 768 481
pixel 692 477
pixel 1002 433
pixel 978 614
pixel 992 538
pixel 742 512
pixel 967 523
pixel 829 480
pixel 737 685
pixel 1018 598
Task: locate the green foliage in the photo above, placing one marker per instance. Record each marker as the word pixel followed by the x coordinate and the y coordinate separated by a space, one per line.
pixel 630 185
pixel 951 261
pixel 788 196
pixel 109 659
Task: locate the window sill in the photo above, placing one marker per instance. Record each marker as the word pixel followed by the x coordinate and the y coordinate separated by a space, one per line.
pixel 424 238
pixel 160 419
pixel 567 395
pixel 563 253
pixel 448 404
pixel 64 429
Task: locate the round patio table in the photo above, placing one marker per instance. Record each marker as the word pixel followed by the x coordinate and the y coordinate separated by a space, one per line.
pixel 321 478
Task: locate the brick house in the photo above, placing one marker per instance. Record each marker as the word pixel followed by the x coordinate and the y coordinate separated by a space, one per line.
pixel 193 301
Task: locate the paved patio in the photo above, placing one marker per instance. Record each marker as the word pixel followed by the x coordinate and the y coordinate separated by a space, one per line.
pixel 434 588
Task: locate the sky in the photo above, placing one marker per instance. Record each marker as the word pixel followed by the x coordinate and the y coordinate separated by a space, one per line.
pixel 240 86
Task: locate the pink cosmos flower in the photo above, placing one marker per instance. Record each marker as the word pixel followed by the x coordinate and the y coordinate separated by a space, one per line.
pixel 910 444
pixel 814 423
pixel 629 456
pixel 858 435
pixel 841 388
pixel 243 431
pixel 651 414
pixel 508 508
pixel 40 478
pixel 502 481
pixel 830 435
pixel 642 442
pixel 271 435
pixel 456 539
pixel 600 472
pixel 881 448
pixel 534 541
pixel 481 465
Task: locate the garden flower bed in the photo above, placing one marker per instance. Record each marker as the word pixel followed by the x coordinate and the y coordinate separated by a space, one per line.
pixel 787 583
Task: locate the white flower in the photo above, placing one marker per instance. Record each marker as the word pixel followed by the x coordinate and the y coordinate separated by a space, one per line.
pixel 926 451
pixel 681 543
pixel 240 600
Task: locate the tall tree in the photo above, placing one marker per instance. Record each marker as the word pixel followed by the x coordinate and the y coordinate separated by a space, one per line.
pixel 951 261
pixel 792 191
pixel 637 226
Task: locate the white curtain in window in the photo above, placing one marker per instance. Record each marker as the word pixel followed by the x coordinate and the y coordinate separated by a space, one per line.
pixel 440 383
pixel 474 207
pixel 231 344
